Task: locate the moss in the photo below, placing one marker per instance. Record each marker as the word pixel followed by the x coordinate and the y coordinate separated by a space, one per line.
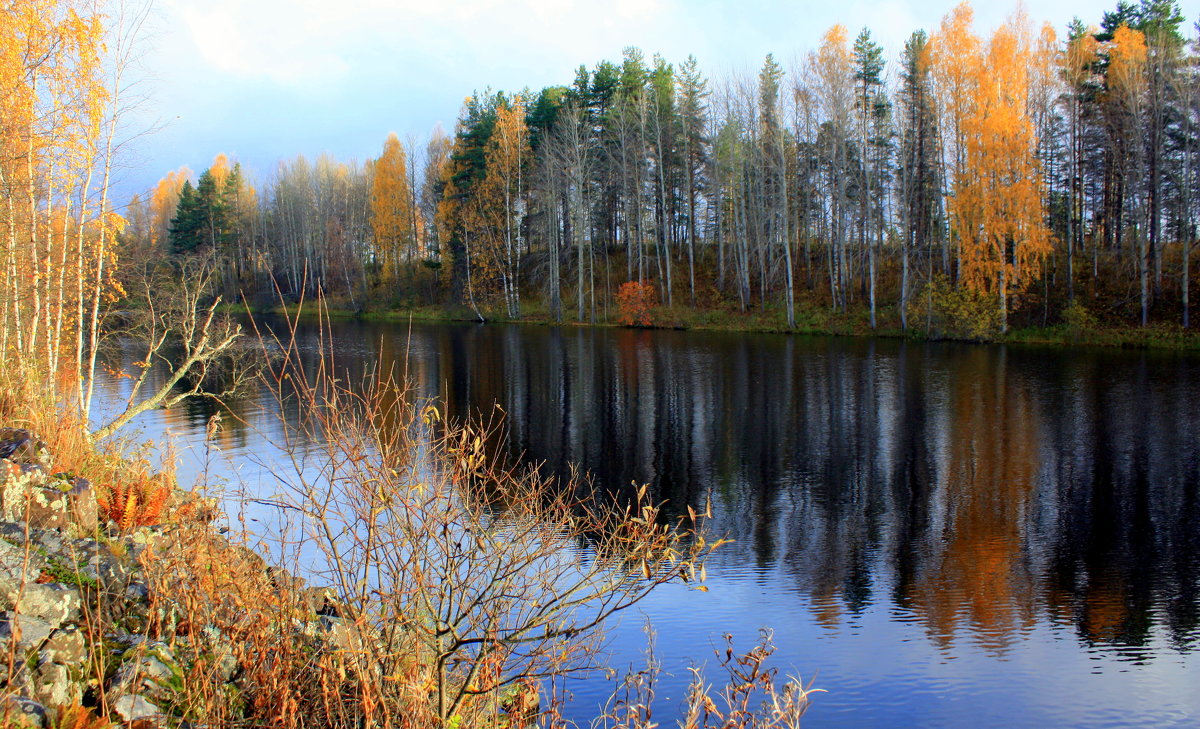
pixel 66 574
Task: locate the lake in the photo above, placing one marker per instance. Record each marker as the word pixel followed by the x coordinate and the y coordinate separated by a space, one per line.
pixel 938 534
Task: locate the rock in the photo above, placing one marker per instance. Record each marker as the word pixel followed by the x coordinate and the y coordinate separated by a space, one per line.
pixel 147 536
pixel 36 472
pixel 219 651
pixel 137 592
pixel 53 603
pixel 341 634
pixel 55 685
pixel 66 646
pixel 27 632
pixel 83 510
pixel 25 497
pixel 131 708
pixel 23 447
pixel 18 565
pixel 47 508
pixel 323 601
pixel 19 712
pixel 29 494
pixel 50 540
pixel 151 671
pixel 106 568
pixel 12 532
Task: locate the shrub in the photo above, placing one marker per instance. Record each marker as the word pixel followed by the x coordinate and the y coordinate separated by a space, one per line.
pixel 955 313
pixel 1078 319
pixel 635 300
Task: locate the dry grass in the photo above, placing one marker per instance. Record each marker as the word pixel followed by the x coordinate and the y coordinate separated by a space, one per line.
pixel 750 694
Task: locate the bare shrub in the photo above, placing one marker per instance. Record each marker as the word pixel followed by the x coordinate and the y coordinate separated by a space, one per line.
pixel 478 583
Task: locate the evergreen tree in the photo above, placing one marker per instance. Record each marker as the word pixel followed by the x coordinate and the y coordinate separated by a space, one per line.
pixel 185 233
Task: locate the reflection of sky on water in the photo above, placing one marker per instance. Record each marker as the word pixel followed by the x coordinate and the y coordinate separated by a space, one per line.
pixel 944 534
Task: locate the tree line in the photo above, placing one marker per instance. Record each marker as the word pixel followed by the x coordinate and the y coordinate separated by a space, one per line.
pixel 1020 174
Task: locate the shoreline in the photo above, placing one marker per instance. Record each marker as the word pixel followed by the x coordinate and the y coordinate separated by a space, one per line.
pixel 810 322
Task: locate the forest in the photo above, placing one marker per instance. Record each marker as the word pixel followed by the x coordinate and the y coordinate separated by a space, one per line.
pixel 1031 176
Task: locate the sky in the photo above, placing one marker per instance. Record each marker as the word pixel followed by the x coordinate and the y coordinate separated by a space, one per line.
pixel 266 80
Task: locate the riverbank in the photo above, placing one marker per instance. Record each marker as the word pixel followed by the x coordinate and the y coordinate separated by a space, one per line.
pixel 1082 331
pixel 141 612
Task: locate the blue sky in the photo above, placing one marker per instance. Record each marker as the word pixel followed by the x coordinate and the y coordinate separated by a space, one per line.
pixel 263 80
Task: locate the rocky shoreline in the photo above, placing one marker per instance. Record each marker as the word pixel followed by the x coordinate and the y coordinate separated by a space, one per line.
pixel 98 619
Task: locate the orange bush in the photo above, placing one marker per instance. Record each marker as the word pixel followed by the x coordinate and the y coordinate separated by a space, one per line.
pixel 635 300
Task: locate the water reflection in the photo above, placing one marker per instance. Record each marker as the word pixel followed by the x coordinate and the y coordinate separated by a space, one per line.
pixel 978 489
pixel 995 498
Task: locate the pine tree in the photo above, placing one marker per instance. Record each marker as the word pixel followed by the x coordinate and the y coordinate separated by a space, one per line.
pixel 186 232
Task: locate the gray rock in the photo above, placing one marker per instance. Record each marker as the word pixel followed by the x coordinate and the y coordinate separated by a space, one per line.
pixel 40 473
pixel 50 540
pixel 66 646
pixel 25 498
pixel 323 601
pixel 107 569
pixel 81 503
pixel 22 446
pixel 220 650
pixel 29 494
pixel 147 536
pixel 137 592
pixel 131 708
pixel 26 631
pixel 341 634
pixel 54 685
pixel 19 565
pixel 20 712
pixel 12 531
pixel 150 670
pixel 53 603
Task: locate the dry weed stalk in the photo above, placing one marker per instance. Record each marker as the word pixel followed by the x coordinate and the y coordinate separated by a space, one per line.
pixel 752 695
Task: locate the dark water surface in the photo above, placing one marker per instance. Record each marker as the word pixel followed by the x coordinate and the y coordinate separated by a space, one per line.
pixel 943 535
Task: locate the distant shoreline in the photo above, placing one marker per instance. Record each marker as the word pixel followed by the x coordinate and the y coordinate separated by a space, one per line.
pixel 809 322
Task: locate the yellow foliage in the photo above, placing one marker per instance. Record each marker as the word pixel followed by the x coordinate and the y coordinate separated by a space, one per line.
pixel 1127 62
pixel 163 201
pixel 1081 53
pixel 56 229
pixel 493 221
pixel 635 301
pixel 954 58
pixel 997 210
pixel 393 220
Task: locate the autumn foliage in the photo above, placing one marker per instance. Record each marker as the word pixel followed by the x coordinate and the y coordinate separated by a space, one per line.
pixel 997 209
pixel 58 110
pixel 134 499
pixel 393 221
pixel 635 303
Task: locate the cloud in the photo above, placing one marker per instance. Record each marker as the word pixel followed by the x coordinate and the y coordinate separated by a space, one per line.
pixel 250 41
pixel 301 43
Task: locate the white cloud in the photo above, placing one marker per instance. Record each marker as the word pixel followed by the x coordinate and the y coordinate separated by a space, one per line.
pixel 306 42
pixel 249 41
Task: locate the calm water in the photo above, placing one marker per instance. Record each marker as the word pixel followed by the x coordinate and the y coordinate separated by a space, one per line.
pixel 943 535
